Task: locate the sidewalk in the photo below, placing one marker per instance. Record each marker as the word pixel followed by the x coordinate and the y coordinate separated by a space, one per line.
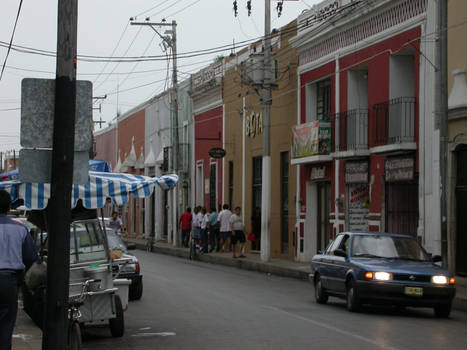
pixel 26 336
pixel 279 267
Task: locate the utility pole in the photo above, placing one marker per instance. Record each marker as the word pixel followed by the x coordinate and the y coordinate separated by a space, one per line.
pixel 267 100
pixel 59 206
pixel 175 113
pixel 443 122
pixel 172 43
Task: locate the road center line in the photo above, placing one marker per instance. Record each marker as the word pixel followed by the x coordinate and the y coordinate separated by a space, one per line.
pixel 162 334
pixel 332 328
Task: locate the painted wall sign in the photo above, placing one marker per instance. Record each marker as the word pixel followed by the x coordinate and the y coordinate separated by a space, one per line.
pixel 217 152
pixel 356 172
pixel 318 173
pixel 358 207
pixel 206 75
pixel 400 169
pixel 254 124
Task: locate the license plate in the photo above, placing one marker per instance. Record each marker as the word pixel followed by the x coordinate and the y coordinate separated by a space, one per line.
pixel 413 291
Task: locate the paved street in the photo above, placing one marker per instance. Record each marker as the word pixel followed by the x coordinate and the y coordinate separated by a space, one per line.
pixel 189 305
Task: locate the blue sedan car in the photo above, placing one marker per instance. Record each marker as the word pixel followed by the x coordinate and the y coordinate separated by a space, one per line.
pixel 381 268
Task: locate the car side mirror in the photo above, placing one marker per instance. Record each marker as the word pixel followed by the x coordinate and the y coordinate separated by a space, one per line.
pixel 437 258
pixel 131 246
pixel 319 252
pixel 340 252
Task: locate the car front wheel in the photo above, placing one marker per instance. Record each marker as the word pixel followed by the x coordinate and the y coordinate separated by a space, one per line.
pixel 321 296
pixel 442 310
pixel 136 291
pixel 353 304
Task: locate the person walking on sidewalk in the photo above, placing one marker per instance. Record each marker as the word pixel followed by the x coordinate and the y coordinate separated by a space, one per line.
pixel 197 225
pixel 224 226
pixel 185 223
pixel 205 224
pixel 213 230
pixel 116 224
pixel 238 234
pixel 17 254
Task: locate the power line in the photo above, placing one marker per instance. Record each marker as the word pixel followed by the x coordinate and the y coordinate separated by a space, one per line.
pixel 11 40
pixel 113 52
pixel 183 9
pixel 166 8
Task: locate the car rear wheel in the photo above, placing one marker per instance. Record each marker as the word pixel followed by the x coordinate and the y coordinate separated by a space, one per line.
pixel 321 296
pixel 443 310
pixel 353 303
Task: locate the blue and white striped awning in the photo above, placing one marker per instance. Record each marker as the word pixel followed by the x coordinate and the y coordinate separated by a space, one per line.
pixel 101 185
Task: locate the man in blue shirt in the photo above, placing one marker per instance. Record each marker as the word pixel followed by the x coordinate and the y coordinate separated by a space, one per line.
pixel 17 254
pixel 213 230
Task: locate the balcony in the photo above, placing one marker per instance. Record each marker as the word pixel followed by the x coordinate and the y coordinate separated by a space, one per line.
pixel 311 142
pixel 394 125
pixel 353 133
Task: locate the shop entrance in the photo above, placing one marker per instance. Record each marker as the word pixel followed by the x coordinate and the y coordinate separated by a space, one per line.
pixel 461 219
pixel 402 208
pixel 324 208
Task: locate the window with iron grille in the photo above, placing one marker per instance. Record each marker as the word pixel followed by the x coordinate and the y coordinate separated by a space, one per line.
pixel 231 173
pixel 257 181
pixel 323 99
pixel 212 187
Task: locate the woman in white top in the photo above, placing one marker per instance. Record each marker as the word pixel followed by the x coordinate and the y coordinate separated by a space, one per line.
pixel 236 225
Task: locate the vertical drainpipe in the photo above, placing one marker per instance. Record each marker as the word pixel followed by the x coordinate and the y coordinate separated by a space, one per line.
pixel 223 159
pixel 336 143
pixel 298 169
pixel 243 159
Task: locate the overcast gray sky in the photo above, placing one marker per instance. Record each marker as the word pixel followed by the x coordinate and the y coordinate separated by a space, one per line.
pixel 202 24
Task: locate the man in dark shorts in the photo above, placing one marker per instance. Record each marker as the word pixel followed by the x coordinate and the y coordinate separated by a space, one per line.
pixel 185 222
pixel 238 235
pixel 224 228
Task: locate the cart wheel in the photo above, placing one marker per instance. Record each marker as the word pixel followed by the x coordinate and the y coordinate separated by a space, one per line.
pixel 74 337
pixel 117 324
pixel 137 291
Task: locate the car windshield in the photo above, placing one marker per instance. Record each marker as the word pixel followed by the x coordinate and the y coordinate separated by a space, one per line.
pixel 87 242
pixel 116 242
pixel 389 247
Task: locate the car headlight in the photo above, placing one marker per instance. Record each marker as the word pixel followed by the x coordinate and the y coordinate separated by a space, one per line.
pixel 382 276
pixel 439 279
pixel 128 268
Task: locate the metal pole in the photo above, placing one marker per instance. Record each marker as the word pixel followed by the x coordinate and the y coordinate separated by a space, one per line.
pixel 175 116
pixel 59 206
pixel 443 123
pixel 266 184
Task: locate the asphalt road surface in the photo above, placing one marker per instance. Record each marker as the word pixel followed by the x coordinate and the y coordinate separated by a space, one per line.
pixel 194 305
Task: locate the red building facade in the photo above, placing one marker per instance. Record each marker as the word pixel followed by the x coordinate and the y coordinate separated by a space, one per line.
pixel 357 142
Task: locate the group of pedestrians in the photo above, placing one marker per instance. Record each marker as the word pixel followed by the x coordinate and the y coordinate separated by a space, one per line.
pixel 223 231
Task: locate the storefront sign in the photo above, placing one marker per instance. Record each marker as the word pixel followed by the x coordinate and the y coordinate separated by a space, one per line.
pixel 400 169
pixel 311 139
pixel 206 75
pixel 318 173
pixel 356 172
pixel 217 152
pixel 358 207
pixel 254 124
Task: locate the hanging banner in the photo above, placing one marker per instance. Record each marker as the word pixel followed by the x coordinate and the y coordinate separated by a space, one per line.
pixel 311 139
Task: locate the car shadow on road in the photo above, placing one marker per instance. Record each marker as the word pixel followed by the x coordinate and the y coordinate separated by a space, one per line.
pixel 386 310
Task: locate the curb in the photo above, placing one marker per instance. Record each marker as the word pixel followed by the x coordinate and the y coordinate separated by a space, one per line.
pixel 240 263
pixel 459 303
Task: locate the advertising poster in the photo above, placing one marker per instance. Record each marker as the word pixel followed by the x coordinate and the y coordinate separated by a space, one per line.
pixel 358 209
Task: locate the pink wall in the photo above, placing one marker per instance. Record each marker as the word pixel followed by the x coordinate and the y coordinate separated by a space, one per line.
pixel 106 147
